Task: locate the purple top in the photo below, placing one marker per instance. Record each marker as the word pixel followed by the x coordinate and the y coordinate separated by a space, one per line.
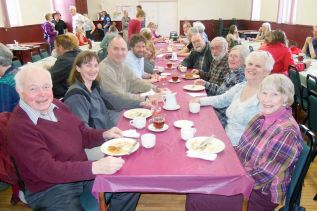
pixel 49 29
pixel 269 155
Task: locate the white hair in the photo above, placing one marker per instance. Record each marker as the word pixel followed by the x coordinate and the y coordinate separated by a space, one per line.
pixel 222 40
pixel 267 26
pixel 200 26
pixel 29 70
pixel 243 51
pixel 281 84
pixel 267 57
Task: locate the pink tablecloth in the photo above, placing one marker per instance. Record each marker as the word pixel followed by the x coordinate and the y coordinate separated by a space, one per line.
pixel 166 168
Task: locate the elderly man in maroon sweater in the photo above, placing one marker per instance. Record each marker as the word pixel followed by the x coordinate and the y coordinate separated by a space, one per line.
pixel 48 141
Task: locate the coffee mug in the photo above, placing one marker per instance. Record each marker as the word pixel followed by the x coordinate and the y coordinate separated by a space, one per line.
pixel 160 69
pixel 187 133
pixel 194 108
pixel 183 69
pixel 148 140
pixel 174 56
pixel 138 122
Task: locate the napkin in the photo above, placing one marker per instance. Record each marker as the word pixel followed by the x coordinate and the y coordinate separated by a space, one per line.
pixel 131 133
pixel 201 155
pixel 197 94
pixel 151 92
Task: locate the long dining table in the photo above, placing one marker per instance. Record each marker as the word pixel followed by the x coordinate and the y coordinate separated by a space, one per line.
pixel 166 168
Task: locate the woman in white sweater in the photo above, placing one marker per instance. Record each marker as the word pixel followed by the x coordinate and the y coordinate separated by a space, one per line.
pixel 241 99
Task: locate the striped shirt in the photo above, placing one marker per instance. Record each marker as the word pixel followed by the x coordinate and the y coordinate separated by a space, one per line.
pixel 269 154
pixel 34 115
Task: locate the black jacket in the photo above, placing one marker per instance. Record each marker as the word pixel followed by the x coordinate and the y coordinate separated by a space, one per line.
pixel 60 72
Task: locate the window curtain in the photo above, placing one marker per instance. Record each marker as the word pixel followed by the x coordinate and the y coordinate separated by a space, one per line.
pixel 287 11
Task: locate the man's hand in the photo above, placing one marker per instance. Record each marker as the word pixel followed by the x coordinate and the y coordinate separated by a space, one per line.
pixel 107 165
pixel 112 133
pixel 200 82
pixel 195 71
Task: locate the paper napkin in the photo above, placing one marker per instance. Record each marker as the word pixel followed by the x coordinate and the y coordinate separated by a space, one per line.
pixel 201 155
pixel 131 133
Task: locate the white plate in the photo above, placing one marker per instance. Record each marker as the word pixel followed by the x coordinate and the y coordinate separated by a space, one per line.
pixel 153 129
pixel 171 81
pixel 172 109
pixel 194 77
pixel 214 146
pixel 137 112
pixel 193 87
pixel 165 74
pixel 183 123
pixel 173 60
pixel 119 146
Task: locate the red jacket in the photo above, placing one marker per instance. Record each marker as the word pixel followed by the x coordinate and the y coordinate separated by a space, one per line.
pixel 282 56
pixel 134 27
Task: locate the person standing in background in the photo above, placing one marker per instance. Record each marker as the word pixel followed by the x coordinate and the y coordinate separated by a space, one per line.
pixel 78 20
pixel 89 27
pixel 107 22
pixel 139 8
pixel 60 25
pixel 49 32
pixel 125 23
pixel 135 24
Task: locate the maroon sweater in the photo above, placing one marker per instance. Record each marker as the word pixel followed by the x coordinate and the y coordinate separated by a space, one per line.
pixel 51 153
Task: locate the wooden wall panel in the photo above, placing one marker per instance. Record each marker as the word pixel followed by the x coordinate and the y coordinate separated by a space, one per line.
pixel 30 33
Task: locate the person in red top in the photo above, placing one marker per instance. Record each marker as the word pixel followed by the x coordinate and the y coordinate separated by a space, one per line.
pixel 136 24
pixel 81 36
pixel 277 45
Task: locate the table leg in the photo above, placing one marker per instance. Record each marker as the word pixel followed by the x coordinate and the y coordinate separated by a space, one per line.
pixel 102 202
pixel 245 204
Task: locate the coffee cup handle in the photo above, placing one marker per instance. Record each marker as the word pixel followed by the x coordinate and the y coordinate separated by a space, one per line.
pixel 132 122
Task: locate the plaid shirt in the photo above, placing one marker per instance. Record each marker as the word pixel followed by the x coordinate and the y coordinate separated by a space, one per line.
pixel 269 154
pixel 217 72
pixel 199 60
pixel 9 98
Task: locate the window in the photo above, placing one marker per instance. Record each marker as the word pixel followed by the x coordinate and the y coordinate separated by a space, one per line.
pixel 287 11
pixel 14 15
pixel 256 8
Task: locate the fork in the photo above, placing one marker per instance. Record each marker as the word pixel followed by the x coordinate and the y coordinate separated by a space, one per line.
pixel 204 143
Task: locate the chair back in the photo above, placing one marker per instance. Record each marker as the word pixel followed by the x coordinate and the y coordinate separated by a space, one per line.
pixel 36 57
pixel 294 76
pixel 312 112
pixel 294 190
pixel 44 54
pixel 16 63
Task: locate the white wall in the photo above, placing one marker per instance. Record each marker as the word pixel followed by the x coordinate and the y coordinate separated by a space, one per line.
pixel 33 11
pixel 213 9
pixel 269 9
pixel 1 19
pixel 306 12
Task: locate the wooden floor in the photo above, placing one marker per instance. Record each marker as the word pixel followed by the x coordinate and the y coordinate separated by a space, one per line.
pixel 174 202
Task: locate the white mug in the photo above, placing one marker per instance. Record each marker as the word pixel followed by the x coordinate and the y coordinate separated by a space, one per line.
pixel 187 133
pixel 160 69
pixel 183 69
pixel 148 140
pixel 174 56
pixel 138 122
pixel 194 108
